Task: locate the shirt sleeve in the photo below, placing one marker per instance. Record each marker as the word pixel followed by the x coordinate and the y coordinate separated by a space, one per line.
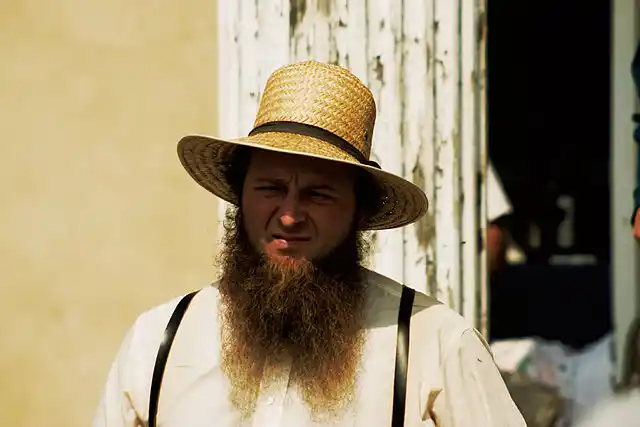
pixel 116 408
pixel 474 393
pixel 498 203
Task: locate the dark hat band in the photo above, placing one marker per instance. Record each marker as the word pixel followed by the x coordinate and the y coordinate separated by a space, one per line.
pixel 315 132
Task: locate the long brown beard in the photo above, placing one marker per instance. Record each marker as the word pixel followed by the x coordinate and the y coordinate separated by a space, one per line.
pixel 309 312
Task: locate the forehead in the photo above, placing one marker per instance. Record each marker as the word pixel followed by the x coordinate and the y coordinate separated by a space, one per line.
pixel 267 164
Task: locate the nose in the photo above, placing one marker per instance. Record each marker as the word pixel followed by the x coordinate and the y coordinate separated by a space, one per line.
pixel 291 213
pixel 288 219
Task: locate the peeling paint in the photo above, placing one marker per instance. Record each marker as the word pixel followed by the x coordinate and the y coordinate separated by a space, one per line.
pixel 324 7
pixel 334 54
pixel 297 11
pixel 426 231
pixel 455 140
pixel 451 297
pixel 425 228
pixel 482 27
pixel 379 70
pixel 432 283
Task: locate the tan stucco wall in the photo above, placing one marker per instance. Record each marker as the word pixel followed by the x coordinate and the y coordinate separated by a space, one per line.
pixel 98 220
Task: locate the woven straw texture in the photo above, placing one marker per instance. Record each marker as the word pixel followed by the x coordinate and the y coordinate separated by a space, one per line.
pixel 324 96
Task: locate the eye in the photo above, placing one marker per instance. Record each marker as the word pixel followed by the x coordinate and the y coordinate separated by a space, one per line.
pixel 267 188
pixel 320 196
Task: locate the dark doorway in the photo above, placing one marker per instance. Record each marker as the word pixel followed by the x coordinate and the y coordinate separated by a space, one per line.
pixel 549 107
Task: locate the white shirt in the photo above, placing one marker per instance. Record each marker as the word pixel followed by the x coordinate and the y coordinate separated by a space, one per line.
pixel 497 201
pixel 451 373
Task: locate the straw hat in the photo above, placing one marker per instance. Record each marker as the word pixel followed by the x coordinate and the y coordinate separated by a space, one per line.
pixel 318 110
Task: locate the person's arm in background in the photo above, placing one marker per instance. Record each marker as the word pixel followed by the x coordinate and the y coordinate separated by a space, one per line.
pixel 635 73
pixel 498 205
pixel 636 193
pixel 636 199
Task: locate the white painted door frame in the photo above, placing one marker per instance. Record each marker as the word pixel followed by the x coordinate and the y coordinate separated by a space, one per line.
pixel 425 64
pixel 624 250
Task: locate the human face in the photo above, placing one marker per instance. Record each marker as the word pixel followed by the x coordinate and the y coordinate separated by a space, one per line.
pixel 297 207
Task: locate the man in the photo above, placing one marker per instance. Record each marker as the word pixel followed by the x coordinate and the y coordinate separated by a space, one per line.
pixel 296 332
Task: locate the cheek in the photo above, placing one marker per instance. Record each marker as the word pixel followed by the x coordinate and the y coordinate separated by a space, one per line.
pixel 333 225
pixel 255 217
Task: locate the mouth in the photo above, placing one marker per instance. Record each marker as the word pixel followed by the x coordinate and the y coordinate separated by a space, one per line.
pixel 282 241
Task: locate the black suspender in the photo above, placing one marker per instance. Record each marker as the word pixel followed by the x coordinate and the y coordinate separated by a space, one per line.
pixel 163 355
pixel 402 356
pixel 400 375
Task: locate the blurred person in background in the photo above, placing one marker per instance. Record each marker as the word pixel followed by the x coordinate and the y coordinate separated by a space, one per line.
pixel 635 73
pixel 498 205
pixel 621 410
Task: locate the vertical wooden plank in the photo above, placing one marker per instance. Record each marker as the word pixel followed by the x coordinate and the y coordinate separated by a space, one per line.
pixel 417 134
pixel 447 150
pixel 272 47
pixel 482 282
pixel 228 81
pixel 300 28
pixel 342 22
pixel 311 35
pixel 248 46
pixel 322 38
pixel 624 251
pixel 467 61
pixel 350 18
pixel 228 73
pixel 429 158
pixel 384 55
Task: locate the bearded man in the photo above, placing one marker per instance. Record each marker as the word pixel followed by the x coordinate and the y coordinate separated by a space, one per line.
pixel 296 332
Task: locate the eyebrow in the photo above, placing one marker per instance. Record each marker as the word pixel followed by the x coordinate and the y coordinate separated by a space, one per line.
pixel 269 180
pixel 324 187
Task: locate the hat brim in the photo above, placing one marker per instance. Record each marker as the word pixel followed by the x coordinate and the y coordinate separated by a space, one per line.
pixel 205 159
